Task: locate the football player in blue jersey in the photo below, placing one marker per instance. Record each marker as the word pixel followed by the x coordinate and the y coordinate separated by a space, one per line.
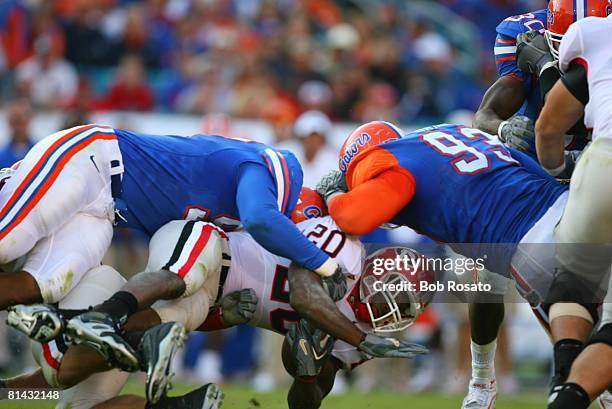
pixel 509 109
pixel 459 186
pixel 58 208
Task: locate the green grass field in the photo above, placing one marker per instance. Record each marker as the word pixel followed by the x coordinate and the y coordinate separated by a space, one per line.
pixel 245 398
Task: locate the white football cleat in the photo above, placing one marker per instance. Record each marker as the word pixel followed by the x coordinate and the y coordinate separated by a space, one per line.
pixel 481 395
pixel 605 400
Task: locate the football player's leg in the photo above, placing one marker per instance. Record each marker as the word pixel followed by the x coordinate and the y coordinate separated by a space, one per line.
pixel 58 262
pixel 56 180
pixel 34 379
pixel 486 318
pixel 80 361
pixel 182 255
pixel 584 234
pixel 208 396
pixel 308 393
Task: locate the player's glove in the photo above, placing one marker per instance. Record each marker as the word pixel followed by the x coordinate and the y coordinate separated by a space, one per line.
pixel 379 347
pixel 331 184
pixel 310 348
pixel 238 307
pixel 335 284
pixel 518 132
pixel 533 53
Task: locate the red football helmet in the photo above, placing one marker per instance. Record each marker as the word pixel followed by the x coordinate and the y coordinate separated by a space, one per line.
pixel 563 13
pixel 309 205
pixel 366 136
pixel 388 308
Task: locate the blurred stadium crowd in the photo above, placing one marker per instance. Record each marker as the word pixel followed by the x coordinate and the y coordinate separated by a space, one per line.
pixel 354 59
pixel 302 66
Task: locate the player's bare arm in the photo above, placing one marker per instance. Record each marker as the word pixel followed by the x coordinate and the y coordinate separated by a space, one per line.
pixel 499 103
pixel 312 302
pixel 559 114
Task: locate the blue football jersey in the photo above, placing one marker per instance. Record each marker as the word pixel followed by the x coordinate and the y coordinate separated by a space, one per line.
pixel 472 189
pixel 505 56
pixel 173 177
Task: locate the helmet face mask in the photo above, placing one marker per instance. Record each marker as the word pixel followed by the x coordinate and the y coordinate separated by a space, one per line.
pixel 392 298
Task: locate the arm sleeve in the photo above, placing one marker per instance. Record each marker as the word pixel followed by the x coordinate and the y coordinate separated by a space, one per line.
pixel 361 210
pixel 575 79
pixel 505 60
pixel 260 216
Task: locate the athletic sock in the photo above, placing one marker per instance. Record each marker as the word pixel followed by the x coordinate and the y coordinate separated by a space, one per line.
pixel 133 338
pixel 69 314
pixel 483 362
pixel 569 396
pixel 565 353
pixel 120 306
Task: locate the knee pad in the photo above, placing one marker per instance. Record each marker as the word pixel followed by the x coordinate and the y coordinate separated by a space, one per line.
pixel 191 249
pixel 603 336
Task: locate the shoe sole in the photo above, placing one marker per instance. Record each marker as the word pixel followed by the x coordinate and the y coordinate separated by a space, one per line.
pixel 106 345
pixel 39 325
pixel 159 377
pixel 214 397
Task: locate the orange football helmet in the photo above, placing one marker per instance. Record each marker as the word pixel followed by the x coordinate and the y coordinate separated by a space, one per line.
pixel 365 137
pixel 563 13
pixel 387 310
pixel 309 205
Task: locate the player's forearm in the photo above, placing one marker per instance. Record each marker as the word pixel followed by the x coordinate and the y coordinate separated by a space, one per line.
pixel 311 301
pixel 499 103
pixel 560 112
pixel 487 120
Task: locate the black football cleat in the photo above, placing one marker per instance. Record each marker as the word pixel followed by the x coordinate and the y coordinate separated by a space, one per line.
pixel 39 322
pixel 100 332
pixel 157 348
pixel 208 396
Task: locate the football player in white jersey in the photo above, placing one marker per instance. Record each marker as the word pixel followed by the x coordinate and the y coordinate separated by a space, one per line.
pixel 249 265
pixel 586 88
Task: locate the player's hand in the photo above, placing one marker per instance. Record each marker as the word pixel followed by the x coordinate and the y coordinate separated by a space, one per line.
pixel 518 132
pixel 310 348
pixel 533 53
pixel 335 284
pixel 238 307
pixel 379 347
pixel 332 183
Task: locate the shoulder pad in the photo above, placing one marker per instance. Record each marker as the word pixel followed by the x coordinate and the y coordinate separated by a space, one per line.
pixel 515 25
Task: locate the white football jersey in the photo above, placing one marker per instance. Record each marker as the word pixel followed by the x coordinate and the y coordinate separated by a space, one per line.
pixel 254 267
pixel 587 40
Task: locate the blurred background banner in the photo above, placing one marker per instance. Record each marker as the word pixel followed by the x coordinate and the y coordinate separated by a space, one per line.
pixel 296 74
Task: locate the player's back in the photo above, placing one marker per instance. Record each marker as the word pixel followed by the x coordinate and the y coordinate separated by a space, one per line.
pixel 169 177
pixel 254 267
pixel 472 189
